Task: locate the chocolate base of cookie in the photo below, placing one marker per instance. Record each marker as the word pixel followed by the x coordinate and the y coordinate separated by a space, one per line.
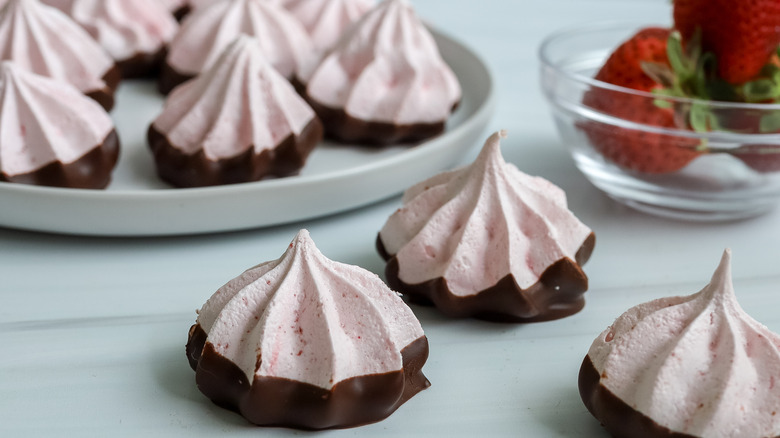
pixel 557 294
pixel 182 12
pixel 620 419
pixel 197 170
pixel 105 95
pixel 273 401
pixel 91 171
pixel 344 128
pixel 170 78
pixel 142 65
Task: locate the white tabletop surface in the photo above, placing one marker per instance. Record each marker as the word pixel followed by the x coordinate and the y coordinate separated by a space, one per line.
pixel 94 329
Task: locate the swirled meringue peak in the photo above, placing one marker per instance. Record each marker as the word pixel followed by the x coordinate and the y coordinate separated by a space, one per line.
pixel 135 33
pixel 304 341
pixel 488 241
pixel 693 366
pixel 326 20
pixel 209 29
pixel 47 42
pixel 385 81
pixel 239 121
pixel 51 134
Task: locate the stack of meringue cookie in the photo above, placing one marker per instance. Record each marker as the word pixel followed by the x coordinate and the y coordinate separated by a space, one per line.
pixel 355 71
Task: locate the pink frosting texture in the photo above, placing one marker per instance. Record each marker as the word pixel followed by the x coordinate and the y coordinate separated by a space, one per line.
pixel 326 20
pixel 697 365
pixel 475 225
pixel 310 319
pixel 387 68
pixel 209 29
pixel 242 101
pixel 43 120
pixel 173 5
pixel 47 42
pixel 124 28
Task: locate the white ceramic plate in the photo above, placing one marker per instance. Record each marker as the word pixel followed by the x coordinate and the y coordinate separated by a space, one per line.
pixel 336 178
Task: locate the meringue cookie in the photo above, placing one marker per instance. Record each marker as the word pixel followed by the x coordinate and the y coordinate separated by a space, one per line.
pixel 384 82
pixel 135 33
pixel 45 41
pixel 341 346
pixel 208 30
pixel 239 121
pixel 51 134
pixel 696 365
pixel 326 20
pixel 489 241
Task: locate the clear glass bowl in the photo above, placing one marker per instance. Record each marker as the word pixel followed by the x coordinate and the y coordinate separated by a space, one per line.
pixel 736 170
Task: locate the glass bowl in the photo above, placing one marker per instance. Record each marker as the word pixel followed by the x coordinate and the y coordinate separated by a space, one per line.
pixel 732 171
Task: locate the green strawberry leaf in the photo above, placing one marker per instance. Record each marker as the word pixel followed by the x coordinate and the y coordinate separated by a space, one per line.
pixel 676 55
pixel 659 73
pixel 700 117
pixel 661 102
pixel 760 90
pixel 770 122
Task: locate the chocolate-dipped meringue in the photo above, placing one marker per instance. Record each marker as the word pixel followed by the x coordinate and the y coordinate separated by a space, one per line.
pixel 307 342
pixel 51 134
pixel 239 121
pixel 692 366
pixel 326 20
pixel 384 82
pixel 209 29
pixel 135 33
pixel 488 241
pixel 45 41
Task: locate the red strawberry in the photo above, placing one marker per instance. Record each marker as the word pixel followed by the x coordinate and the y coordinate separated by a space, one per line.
pixel 742 34
pixel 763 158
pixel 630 148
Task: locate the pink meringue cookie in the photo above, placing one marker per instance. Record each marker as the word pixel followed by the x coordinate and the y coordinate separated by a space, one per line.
pixel 327 20
pixel 343 348
pixel 135 33
pixel 239 121
pixel 208 30
pixel 173 5
pixel 51 134
pixel 487 240
pixel 695 365
pixel 384 82
pixel 45 41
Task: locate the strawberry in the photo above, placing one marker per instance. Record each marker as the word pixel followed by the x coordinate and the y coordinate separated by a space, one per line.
pixel 633 149
pixel 742 34
pixel 761 158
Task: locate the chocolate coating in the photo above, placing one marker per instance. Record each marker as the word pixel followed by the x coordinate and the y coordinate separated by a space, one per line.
pixel 91 171
pixel 620 419
pixel 197 170
pixel 273 401
pixel 170 78
pixel 345 128
pixel 182 12
pixel 142 65
pixel 105 96
pixel 557 294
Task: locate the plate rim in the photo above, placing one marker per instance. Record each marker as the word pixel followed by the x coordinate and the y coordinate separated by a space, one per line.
pixel 473 122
